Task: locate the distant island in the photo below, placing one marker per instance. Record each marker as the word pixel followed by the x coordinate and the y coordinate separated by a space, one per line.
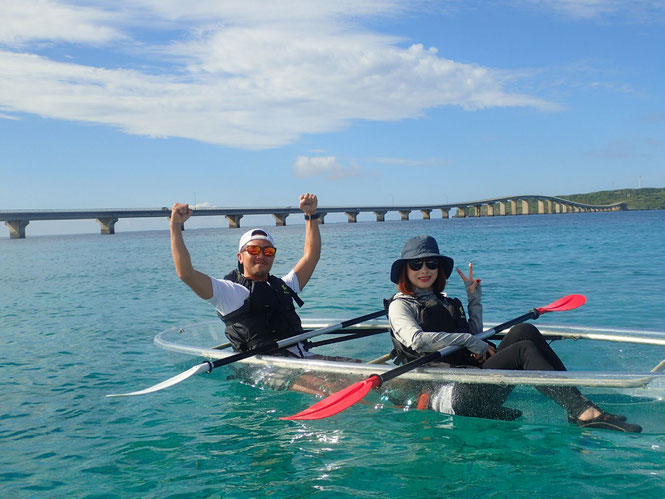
pixel 635 199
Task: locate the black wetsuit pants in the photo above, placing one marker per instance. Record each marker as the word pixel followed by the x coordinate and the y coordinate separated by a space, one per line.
pixel 523 348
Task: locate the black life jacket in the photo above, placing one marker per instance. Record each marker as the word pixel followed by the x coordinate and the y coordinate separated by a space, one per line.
pixel 435 313
pixel 268 314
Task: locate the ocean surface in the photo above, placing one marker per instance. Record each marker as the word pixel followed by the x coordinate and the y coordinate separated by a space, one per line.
pixel 78 314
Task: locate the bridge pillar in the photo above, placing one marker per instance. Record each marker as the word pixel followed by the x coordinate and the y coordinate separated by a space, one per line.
pixel 502 208
pixel 475 210
pixel 280 219
pixel 513 207
pixel 548 206
pixel 107 224
pixel 17 228
pixel 352 216
pixel 234 221
pixel 541 207
pixel 425 213
pixel 490 210
pixel 321 219
pixel 404 214
pixel 460 212
pixel 525 206
pixel 380 215
pixel 445 213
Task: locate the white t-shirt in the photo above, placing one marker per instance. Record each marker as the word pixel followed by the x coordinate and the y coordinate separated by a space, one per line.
pixel 228 296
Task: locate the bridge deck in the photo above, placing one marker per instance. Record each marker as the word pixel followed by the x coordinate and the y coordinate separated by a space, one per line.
pixel 17 220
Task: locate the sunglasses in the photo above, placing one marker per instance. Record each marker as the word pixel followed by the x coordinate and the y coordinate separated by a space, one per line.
pixel 418 264
pixel 254 250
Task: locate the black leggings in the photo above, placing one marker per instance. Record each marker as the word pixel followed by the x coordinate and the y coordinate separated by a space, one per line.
pixel 523 348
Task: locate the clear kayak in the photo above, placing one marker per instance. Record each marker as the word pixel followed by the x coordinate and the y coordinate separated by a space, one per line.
pixel 207 340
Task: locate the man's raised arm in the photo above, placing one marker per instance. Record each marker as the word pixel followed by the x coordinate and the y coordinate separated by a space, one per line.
pixel 198 281
pixel 305 267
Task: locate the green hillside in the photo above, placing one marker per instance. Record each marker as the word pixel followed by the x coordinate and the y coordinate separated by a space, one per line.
pixel 635 199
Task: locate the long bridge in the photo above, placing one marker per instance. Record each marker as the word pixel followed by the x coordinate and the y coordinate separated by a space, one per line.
pixel 17 220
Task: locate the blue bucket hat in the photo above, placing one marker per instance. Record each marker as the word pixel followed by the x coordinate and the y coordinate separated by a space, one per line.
pixel 417 248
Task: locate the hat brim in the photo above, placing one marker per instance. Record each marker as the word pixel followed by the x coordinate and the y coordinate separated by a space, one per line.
pixel 447 264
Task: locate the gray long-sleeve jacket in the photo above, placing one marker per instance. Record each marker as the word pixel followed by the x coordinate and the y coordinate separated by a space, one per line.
pixel 402 315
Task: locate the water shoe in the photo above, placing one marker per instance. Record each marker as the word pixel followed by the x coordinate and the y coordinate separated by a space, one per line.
pixel 607 421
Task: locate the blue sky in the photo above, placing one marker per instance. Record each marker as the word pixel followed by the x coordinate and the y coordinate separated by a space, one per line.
pixel 107 104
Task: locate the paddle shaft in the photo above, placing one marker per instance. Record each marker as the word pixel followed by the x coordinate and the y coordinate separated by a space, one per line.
pixel 533 314
pixel 349 336
pixel 291 340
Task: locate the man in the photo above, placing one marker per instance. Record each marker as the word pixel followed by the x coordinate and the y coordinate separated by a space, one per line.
pixel 256 306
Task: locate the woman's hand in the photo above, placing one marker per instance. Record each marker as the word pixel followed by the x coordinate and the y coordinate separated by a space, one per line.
pixel 482 358
pixel 469 282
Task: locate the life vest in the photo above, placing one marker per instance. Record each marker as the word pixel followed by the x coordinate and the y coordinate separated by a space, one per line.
pixel 435 313
pixel 267 315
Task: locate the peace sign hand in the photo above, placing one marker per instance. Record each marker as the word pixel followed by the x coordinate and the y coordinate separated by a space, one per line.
pixel 469 282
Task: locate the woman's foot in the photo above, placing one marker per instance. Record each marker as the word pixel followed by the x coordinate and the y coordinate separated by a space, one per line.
pixel 593 412
pixel 595 418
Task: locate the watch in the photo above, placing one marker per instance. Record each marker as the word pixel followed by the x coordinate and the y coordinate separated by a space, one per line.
pixel 312 217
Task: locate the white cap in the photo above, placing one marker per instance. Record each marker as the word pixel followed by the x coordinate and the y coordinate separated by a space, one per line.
pixel 253 234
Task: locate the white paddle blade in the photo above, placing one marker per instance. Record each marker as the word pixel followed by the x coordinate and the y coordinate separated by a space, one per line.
pixel 169 382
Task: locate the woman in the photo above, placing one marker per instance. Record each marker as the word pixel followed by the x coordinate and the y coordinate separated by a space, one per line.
pixel 424 320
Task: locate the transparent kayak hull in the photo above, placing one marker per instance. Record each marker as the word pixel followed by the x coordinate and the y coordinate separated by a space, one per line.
pixel 207 340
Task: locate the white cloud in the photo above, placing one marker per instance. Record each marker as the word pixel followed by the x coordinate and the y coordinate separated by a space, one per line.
pixel 205 204
pixel 641 10
pixel 324 165
pixel 237 80
pixel 49 20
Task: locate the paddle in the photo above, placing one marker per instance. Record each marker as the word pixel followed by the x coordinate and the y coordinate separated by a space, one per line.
pixel 349 336
pixel 266 349
pixel 345 398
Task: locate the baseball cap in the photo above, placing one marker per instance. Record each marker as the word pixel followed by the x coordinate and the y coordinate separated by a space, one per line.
pixel 253 234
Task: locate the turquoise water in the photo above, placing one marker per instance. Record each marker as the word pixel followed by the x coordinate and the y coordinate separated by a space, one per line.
pixel 79 313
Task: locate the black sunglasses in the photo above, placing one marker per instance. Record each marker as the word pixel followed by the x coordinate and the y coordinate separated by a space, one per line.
pixel 418 264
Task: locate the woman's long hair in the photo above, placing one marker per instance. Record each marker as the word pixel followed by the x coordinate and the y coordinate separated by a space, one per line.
pixel 405 286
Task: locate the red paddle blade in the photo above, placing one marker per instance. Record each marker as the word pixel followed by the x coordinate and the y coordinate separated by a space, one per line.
pixel 566 303
pixel 338 401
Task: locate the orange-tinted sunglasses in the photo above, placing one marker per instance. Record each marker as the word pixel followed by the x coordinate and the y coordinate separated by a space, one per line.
pixel 255 250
